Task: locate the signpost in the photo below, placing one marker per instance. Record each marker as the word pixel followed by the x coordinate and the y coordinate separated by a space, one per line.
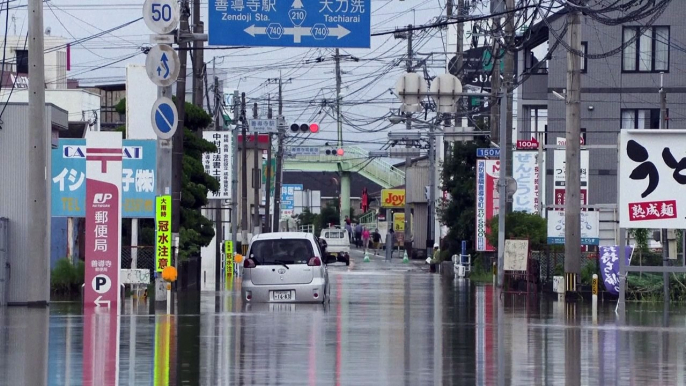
pixel 488 152
pixel 293 23
pixel 525 171
pixel 303 150
pixel 228 253
pixel 163 250
pixel 162 65
pixel 139 175
pixel 263 126
pixel 161 16
pixel 218 164
pixel 103 257
pixel 590 224
pixel 559 176
pixel 487 201
pixel 164 117
pixel 288 197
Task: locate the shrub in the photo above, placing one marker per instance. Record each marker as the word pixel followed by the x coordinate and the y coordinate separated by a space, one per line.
pixel 67 278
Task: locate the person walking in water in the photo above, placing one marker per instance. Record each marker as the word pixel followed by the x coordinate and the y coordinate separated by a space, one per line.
pixel 365 238
pixel 390 239
pixel 376 240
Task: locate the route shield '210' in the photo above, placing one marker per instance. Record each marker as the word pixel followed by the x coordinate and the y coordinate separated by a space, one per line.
pixel 290 23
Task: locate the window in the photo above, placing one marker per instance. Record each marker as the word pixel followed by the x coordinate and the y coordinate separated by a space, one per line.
pixel 641 119
pixel 22 61
pixel 282 251
pixel 584 60
pixel 649 52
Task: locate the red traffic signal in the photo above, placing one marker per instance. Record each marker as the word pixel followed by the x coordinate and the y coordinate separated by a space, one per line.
pixel 336 152
pixel 304 127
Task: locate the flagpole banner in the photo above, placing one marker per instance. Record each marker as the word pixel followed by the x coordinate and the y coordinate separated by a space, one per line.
pixel 487 204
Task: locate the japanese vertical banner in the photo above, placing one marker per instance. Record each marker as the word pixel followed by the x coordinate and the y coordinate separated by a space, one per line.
pixel 228 253
pixel 529 182
pixel 487 205
pixel 162 232
pixel 103 258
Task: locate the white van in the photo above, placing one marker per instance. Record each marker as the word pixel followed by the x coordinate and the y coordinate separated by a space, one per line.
pixel 337 244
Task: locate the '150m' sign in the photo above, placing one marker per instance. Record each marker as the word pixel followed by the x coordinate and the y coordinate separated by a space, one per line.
pixel 392 198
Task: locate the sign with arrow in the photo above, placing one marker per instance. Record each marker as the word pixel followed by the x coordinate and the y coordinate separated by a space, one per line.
pixel 322 23
pixel 162 65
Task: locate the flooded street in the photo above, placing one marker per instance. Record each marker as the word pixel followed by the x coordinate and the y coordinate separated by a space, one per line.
pixel 386 324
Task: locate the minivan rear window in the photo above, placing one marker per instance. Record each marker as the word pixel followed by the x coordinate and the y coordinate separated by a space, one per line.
pixel 281 251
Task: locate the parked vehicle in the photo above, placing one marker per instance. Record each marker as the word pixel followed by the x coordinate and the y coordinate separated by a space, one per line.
pixel 285 267
pixel 337 244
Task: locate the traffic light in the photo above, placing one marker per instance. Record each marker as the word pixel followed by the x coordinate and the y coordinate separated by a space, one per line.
pixel 335 151
pixel 312 128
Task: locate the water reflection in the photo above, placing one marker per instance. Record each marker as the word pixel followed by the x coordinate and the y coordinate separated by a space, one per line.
pixel 389 329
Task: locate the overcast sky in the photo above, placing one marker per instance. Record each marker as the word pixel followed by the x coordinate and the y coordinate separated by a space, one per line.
pixel 368 80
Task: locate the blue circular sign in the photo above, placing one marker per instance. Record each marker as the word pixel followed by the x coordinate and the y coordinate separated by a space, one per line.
pixel 164 118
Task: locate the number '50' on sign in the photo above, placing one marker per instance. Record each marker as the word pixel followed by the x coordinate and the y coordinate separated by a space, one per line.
pixel 161 16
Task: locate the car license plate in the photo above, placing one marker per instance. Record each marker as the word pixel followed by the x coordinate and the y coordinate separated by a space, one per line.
pixel 281 295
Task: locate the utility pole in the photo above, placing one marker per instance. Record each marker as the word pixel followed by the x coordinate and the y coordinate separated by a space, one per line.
pixel 218 232
pixel 572 160
pixel 279 163
pixel 38 209
pixel 177 146
pixel 256 178
pixel 268 180
pixel 198 57
pixel 244 177
pixel 508 77
pixel 408 159
pixel 234 169
pixel 665 239
pixel 339 123
pixel 494 119
pixel 432 190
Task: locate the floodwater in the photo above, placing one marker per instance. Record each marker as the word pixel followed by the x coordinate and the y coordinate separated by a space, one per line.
pixel 387 324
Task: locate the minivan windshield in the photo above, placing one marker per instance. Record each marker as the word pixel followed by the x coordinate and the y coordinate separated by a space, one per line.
pixel 281 251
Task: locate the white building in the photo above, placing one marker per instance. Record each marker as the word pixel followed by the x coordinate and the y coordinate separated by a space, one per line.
pixel 17 59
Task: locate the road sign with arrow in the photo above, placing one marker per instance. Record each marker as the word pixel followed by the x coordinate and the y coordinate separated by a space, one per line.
pixel 162 65
pixel 324 23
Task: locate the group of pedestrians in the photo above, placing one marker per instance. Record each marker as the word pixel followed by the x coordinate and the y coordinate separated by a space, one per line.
pixel 363 238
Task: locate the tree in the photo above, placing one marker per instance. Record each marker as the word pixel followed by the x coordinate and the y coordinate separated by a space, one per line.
pixel 196 230
pixel 458 178
pixel 521 225
pixel 329 215
pixel 309 218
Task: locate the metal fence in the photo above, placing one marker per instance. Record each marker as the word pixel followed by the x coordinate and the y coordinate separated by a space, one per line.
pixel 4 259
pixel 145 257
pixel 551 263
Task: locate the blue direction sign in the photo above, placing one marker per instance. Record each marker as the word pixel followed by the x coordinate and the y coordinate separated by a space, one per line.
pixel 290 23
pixel 488 152
pixel 165 118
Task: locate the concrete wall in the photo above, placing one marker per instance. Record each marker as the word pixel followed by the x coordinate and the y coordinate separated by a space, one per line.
pixel 13 199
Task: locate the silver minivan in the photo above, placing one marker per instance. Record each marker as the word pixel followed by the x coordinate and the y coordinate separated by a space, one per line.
pixel 285 267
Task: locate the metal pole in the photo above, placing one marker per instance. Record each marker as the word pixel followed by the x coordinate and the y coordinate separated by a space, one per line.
pixel 508 77
pixel 218 233
pixel 494 119
pixel 432 189
pixel 38 148
pixel 622 271
pixel 164 162
pixel 244 178
pixel 268 188
pixel 541 172
pixel 279 163
pixel 502 191
pixel 257 178
pixel 234 170
pixel 665 240
pixel 572 160
pixel 198 58
pixel 408 160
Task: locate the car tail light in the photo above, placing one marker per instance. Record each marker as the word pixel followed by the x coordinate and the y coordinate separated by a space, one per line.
pixel 314 262
pixel 249 263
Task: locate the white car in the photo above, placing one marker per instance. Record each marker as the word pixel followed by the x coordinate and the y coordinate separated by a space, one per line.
pixel 285 267
pixel 337 242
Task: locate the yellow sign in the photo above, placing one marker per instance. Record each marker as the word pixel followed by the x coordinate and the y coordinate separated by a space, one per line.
pixel 162 232
pixel 399 222
pixel 228 252
pixel 392 198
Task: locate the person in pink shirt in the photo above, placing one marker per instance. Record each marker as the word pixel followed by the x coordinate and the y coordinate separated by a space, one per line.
pixel 365 237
